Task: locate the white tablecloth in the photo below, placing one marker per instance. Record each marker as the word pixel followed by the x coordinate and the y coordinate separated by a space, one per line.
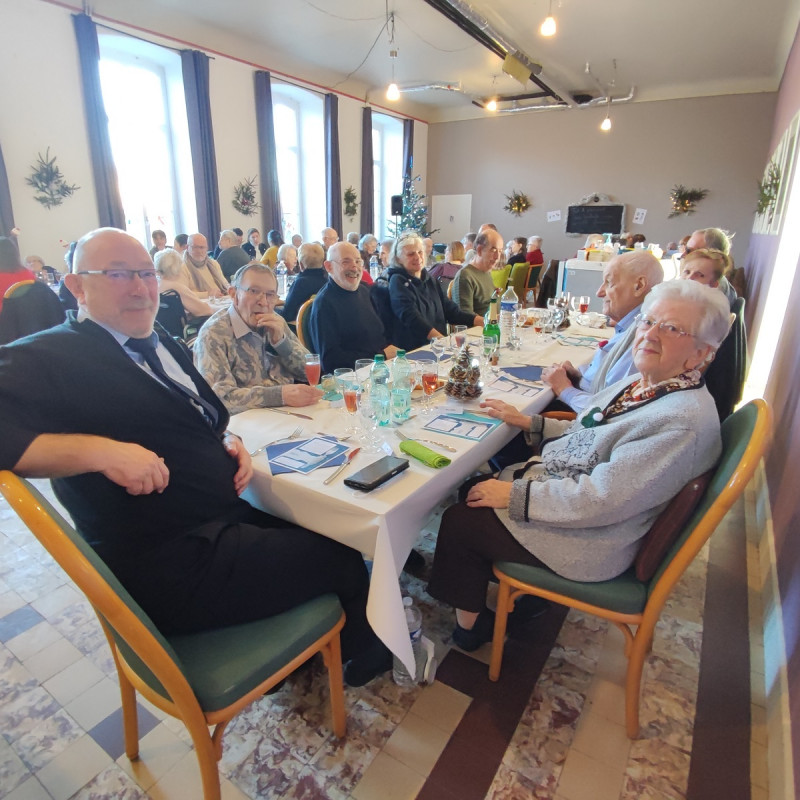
pixel 385 523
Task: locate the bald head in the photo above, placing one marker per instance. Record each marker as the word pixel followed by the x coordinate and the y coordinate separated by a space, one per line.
pixel 329 237
pixel 119 298
pixel 627 279
pixel 344 265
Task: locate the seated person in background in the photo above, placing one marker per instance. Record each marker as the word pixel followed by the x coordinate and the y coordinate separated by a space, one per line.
pixel 352 237
pixel 328 236
pixel 705 266
pixel 180 243
pixel 311 279
pixel 627 280
pixel 714 239
pixel 297 240
pixel 11 269
pixel 473 286
pixel 534 255
pixel 150 477
pixel 469 247
pixel 36 265
pixel 344 324
pixel 168 266
pixel 247 353
pixel 231 256
pixel 287 253
pixel 200 272
pixel 385 252
pixel 159 242
pixel 64 294
pixel 367 246
pixel 420 309
pixel 270 256
pixel 254 247
pixel 518 245
pixel 581 507
pixel 446 270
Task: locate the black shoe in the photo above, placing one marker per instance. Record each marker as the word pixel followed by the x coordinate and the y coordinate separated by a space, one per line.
pixel 414 563
pixel 374 661
pixel 480 633
pixel 526 609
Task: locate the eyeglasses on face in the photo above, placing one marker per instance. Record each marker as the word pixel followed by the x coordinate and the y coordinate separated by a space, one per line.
pixel 256 293
pixel 122 275
pixel 665 329
pixel 347 263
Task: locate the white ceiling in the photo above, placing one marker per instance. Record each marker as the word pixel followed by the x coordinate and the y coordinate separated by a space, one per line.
pixel 664 48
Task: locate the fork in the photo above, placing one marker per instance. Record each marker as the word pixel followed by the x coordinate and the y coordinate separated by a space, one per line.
pixel 338 438
pixel 293 435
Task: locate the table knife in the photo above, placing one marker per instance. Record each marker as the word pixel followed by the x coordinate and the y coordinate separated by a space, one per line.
pixel 444 446
pixel 291 413
pixel 338 471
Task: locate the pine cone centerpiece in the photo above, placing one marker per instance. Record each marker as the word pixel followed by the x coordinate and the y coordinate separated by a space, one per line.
pixel 464 378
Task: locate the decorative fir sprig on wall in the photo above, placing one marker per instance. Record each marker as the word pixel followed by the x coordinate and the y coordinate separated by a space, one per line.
pixel 518 203
pixel 48 181
pixel 350 202
pixel 768 190
pixel 244 197
pixel 684 201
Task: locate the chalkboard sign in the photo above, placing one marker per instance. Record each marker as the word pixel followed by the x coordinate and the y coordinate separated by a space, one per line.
pixel 595 219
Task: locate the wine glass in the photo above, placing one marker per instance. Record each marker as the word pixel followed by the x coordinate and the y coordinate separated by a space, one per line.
pixel 438 345
pixel 489 350
pixel 312 368
pixel 368 409
pixel 429 377
pixel 583 303
pixel 459 336
pixel 347 383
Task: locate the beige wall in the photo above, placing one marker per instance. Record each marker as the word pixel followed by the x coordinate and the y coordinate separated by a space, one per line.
pixel 557 157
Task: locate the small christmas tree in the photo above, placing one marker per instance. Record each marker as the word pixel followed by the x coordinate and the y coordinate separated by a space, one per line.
pixel 415 212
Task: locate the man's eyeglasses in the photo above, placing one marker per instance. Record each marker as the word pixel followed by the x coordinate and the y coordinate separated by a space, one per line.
pixel 122 275
pixel 254 293
pixel 665 329
pixel 347 263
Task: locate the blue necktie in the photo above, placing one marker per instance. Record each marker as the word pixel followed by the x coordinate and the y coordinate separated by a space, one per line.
pixel 147 349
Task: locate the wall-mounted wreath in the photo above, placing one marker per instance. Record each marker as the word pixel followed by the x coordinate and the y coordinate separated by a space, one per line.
pixel 48 181
pixel 768 190
pixel 350 202
pixel 518 203
pixel 244 197
pixel 684 201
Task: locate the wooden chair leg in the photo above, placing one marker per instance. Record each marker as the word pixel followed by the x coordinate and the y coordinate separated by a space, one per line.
pixel 633 682
pixel 206 751
pixel 130 716
pixel 500 622
pixel 332 654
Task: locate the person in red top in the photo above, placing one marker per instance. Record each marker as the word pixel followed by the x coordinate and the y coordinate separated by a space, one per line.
pixel 11 269
pixel 534 255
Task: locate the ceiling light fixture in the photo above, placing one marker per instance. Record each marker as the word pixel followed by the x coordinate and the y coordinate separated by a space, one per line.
pixel 548 27
pixel 492 105
pixel 392 91
pixel 605 125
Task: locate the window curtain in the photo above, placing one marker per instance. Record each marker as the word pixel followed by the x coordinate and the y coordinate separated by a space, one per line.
pixel 408 149
pixel 6 210
pixel 194 66
pixel 106 186
pixel 271 216
pixel 333 173
pixel 367 173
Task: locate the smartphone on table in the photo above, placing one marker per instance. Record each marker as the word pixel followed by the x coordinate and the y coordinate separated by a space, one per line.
pixel 373 475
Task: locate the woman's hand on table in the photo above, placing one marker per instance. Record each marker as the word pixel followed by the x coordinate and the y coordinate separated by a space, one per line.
pixel 236 449
pixel 299 394
pixel 501 410
pixel 490 494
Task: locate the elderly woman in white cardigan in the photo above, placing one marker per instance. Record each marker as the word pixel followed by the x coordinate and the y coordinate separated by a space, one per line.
pixel 582 504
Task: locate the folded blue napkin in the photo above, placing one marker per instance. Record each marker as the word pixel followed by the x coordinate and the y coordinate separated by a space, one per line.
pixel 526 373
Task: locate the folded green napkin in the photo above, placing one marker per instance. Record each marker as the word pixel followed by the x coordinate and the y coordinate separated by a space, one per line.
pixel 424 454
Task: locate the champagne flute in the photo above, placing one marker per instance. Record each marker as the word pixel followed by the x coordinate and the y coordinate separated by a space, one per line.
pixel 347 383
pixel 583 303
pixel 312 368
pixel 438 345
pixel 430 381
pixel 459 336
pixel 489 350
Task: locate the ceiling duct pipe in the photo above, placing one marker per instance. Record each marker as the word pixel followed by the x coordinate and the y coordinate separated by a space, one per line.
pixel 447 86
pixel 596 101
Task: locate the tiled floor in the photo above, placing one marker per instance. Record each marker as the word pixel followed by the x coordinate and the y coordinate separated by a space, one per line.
pixel 61 732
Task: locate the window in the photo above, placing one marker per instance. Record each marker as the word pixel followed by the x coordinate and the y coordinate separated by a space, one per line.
pixel 142 87
pixel 300 151
pixel 387 160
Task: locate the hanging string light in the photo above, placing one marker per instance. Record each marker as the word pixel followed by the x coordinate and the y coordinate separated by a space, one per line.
pixel 392 91
pixel 548 27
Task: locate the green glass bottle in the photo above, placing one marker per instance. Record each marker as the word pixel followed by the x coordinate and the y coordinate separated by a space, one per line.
pixel 491 327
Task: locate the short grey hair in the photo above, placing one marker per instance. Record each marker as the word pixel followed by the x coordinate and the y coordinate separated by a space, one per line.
pixel 284 249
pixel 366 239
pixel 537 240
pixel 257 266
pixel 168 263
pixel 714 317
pixel 716 239
pixel 228 236
pixel 352 238
pixel 311 255
pixel 641 263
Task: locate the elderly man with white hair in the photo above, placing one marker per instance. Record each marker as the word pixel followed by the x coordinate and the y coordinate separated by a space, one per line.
pixel 231 254
pixel 201 273
pixel 627 279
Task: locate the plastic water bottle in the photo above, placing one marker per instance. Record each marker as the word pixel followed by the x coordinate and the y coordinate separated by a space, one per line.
pixel 374 266
pixel 400 674
pixel 280 272
pixel 379 389
pixel 402 380
pixel 508 316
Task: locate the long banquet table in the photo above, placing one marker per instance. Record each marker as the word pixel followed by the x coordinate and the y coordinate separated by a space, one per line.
pixel 385 523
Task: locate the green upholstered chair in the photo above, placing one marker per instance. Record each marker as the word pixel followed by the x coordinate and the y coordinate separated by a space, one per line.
pixel 522 278
pixel 500 277
pixel 627 601
pixel 303 323
pixel 205 678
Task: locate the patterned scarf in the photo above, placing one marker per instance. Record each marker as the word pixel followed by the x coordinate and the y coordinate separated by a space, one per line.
pixel 636 394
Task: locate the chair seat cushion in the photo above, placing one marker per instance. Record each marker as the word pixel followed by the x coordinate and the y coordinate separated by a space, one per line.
pixel 624 594
pixel 223 665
